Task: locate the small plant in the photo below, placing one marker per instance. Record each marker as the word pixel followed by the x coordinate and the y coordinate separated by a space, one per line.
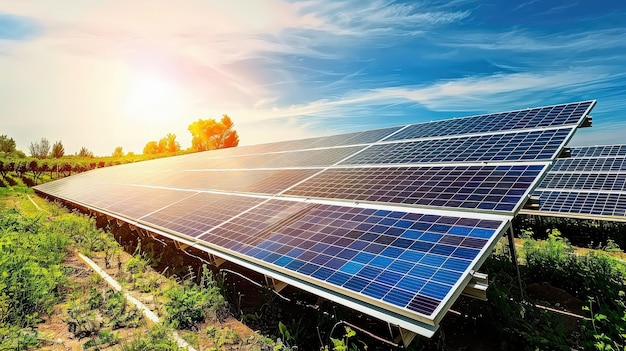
pixel 81 320
pixel 348 341
pixel 190 303
pixel 284 343
pixel 120 315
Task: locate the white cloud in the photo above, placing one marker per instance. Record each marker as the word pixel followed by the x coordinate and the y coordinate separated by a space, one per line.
pixel 471 93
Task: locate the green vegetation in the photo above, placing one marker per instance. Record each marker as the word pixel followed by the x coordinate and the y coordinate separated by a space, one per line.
pixel 190 303
pixel 31 275
pixel 595 278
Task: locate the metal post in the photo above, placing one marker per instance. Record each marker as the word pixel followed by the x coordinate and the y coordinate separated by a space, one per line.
pixel 513 253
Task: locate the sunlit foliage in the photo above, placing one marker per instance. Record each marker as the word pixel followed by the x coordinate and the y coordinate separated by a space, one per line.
pixel 208 134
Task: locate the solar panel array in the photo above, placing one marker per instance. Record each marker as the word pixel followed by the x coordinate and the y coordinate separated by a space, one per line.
pixel 590 184
pixel 391 222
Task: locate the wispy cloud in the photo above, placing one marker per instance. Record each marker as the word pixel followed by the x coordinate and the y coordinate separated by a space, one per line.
pixel 381 17
pixel 523 40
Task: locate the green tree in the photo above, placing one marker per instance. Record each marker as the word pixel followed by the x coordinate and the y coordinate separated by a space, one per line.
pixel 118 152
pixel 208 134
pixel 7 145
pixel 84 152
pixel 58 150
pixel 40 149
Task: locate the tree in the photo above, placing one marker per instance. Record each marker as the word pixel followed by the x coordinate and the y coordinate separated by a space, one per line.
pixel 171 145
pixel 164 145
pixel 40 149
pixel 207 134
pixel 151 148
pixel 118 152
pixel 58 150
pixel 7 145
pixel 84 152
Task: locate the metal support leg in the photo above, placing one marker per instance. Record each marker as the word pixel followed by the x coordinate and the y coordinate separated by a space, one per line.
pixel 514 259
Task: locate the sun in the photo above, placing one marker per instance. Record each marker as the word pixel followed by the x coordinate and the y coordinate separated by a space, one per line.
pixel 150 97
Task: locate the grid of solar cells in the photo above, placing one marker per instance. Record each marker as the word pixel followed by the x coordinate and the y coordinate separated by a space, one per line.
pixel 369 136
pixel 521 146
pixel 592 203
pixel 408 260
pixel 291 145
pixel 585 181
pixel 600 164
pixel 243 231
pixel 305 158
pixel 599 151
pixel 568 114
pixel 199 213
pixel 132 202
pixel 82 191
pixel 499 188
pixel 244 181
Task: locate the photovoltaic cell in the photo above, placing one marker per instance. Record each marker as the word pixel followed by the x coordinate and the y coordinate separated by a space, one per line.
pixel 591 203
pixel 559 115
pixel 408 260
pixel 522 146
pixel 498 188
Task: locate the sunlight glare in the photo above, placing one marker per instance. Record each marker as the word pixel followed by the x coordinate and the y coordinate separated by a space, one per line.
pixel 151 98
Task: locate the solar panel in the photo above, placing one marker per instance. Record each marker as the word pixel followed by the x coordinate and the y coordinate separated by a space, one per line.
pixel 559 115
pixel 409 260
pixel 579 202
pixel 365 219
pixel 500 188
pixel 590 184
pixel 520 146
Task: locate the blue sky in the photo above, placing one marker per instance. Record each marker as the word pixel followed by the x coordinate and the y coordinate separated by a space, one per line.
pixel 122 73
